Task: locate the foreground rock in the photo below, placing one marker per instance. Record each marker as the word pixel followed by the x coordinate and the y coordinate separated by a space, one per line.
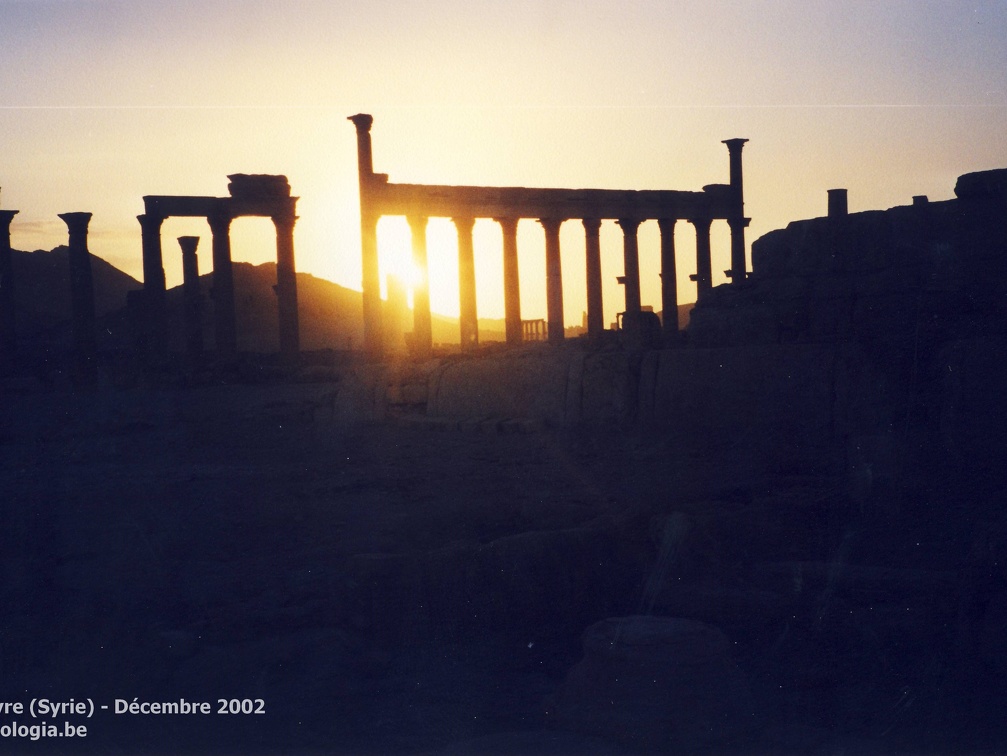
pixel 657 683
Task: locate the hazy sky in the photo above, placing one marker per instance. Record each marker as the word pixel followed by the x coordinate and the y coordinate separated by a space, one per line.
pixel 104 102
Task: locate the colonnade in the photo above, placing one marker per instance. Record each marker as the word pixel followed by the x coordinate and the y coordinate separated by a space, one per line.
pixel 550 208
pixel 267 196
pixel 82 308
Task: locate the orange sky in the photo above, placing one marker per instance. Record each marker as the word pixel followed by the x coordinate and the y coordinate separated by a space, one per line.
pixel 104 102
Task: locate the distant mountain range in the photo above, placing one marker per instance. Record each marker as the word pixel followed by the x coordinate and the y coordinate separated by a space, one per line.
pixel 331 316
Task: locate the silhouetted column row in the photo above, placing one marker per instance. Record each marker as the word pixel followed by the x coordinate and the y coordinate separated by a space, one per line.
pixel 422 332
pixel 377 196
pixel 8 308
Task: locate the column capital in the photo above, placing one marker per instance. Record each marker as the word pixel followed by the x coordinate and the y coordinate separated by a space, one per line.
pixel 6 216
pixel 285 220
pixel 734 145
pixel 188 244
pixel 508 223
pixel 76 222
pixel 150 221
pixel 666 223
pixel 362 121
pixel 701 222
pixel 417 223
pixel 629 225
pixel 591 224
pixel 464 223
pixel 551 224
pixel 219 220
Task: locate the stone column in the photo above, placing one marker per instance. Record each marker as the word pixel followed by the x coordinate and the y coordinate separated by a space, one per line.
pixel 669 279
pixel 592 253
pixel 193 313
pixel 423 337
pixel 222 293
pixel 8 305
pixel 371 283
pixel 468 312
pixel 736 219
pixel 512 281
pixel 81 293
pixel 553 279
pixel 631 270
pixel 286 286
pixel 155 326
pixel 704 262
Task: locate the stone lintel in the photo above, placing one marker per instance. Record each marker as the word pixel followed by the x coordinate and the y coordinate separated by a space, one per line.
pixel 164 206
pixel 500 202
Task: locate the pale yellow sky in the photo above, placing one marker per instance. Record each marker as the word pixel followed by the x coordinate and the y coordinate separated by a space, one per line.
pixel 104 102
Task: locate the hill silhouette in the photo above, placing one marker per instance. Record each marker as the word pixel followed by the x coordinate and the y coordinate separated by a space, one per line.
pixel 331 316
pixel 42 289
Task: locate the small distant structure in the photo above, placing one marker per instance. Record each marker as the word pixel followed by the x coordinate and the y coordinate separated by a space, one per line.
pixel 250 195
pixel 8 308
pixel 551 208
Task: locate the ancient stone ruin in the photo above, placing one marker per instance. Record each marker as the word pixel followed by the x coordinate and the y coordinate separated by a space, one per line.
pixel 255 195
pixel 551 207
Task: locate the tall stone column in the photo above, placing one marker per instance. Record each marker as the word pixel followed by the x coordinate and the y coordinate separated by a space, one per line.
pixel 81 293
pixel 155 316
pixel 371 281
pixel 704 262
pixel 8 305
pixel 631 270
pixel 553 279
pixel 512 281
pixel 423 337
pixel 468 315
pixel 286 286
pixel 669 279
pixel 222 293
pixel 737 220
pixel 193 313
pixel 592 254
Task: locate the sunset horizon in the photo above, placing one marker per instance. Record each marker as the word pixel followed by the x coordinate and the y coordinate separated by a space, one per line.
pixel 886 102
